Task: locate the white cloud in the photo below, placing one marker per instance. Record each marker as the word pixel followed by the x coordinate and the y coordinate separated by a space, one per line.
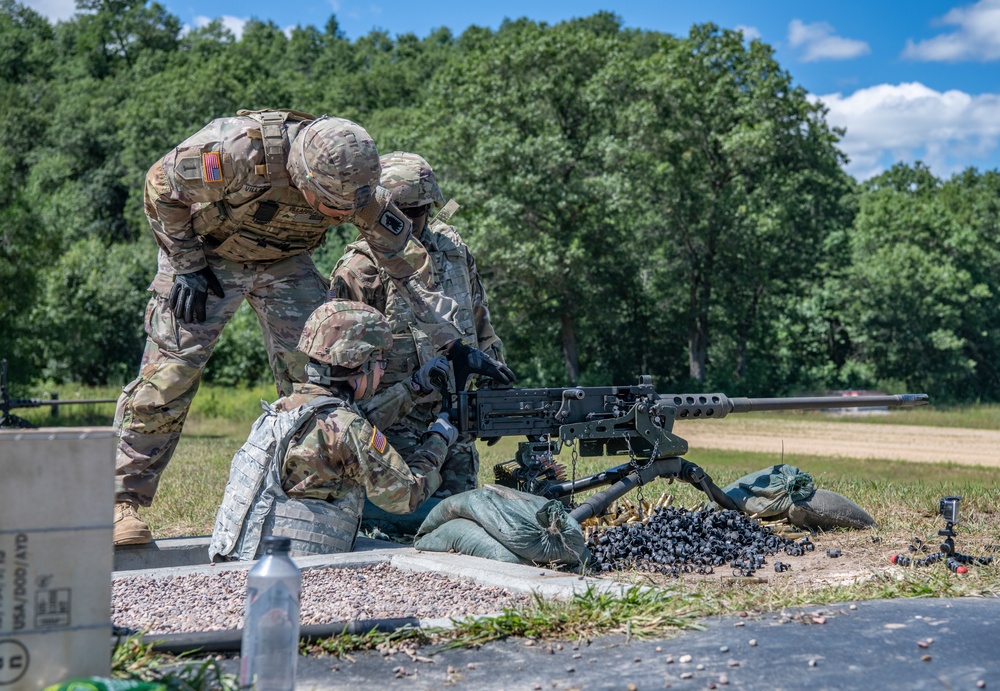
pixel 907 122
pixel 54 10
pixel 818 42
pixel 749 32
pixel 976 38
pixel 234 24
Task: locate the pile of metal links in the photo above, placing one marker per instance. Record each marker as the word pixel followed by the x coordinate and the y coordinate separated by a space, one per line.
pixel 674 541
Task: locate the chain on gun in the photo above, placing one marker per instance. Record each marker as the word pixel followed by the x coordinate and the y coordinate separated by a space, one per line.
pixel 634 421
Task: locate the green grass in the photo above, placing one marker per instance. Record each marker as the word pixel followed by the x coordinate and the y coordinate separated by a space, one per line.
pixel 977 416
pixel 133 659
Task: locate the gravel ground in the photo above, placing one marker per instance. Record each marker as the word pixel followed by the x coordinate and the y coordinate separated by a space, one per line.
pixel 215 601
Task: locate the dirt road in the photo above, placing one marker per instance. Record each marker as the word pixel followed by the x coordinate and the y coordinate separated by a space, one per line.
pixel 852 440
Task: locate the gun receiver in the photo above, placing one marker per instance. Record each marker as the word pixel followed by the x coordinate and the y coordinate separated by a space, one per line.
pixel 615 420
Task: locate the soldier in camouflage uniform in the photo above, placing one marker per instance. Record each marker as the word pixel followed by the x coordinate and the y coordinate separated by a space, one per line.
pixel 357 276
pixel 337 455
pixel 236 210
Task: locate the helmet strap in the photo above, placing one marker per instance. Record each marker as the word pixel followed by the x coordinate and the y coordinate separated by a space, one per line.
pixel 319 374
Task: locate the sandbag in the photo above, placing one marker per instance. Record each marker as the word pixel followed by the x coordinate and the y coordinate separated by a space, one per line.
pixel 770 492
pixel 537 530
pixel 825 510
pixel 465 537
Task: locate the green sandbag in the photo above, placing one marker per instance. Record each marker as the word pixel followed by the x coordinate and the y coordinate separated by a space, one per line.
pixel 771 491
pixel 465 537
pixel 825 510
pixel 537 530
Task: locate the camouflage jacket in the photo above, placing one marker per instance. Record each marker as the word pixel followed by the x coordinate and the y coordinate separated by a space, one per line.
pixel 357 276
pixel 340 449
pixel 216 192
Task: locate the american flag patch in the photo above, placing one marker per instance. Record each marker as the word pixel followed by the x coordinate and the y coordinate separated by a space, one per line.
pixel 212 165
pixel 378 440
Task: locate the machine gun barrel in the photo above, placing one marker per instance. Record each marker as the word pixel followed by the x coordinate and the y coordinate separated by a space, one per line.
pixel 903 400
pixel 717 405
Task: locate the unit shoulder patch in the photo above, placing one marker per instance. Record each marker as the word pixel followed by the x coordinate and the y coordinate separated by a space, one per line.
pixel 393 222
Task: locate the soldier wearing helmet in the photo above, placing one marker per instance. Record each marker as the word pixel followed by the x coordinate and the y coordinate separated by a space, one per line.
pixel 236 210
pixel 357 276
pixel 327 454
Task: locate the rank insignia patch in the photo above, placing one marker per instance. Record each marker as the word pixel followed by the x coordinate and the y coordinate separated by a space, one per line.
pixel 379 441
pixel 212 165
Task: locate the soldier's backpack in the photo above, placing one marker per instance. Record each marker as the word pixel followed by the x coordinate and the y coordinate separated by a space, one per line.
pixel 254 503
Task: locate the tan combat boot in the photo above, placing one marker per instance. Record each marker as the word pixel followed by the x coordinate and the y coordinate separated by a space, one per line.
pixel 129 528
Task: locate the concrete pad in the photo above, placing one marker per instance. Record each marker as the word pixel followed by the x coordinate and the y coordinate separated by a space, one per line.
pixel 192 551
pixel 180 556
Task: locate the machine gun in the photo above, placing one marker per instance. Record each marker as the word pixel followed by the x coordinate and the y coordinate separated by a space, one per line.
pixel 615 420
pixel 8 419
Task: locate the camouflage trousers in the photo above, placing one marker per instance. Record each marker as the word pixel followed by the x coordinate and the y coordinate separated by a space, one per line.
pixel 152 409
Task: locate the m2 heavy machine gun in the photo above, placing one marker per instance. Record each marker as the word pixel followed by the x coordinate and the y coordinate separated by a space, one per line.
pixel 8 419
pixel 635 421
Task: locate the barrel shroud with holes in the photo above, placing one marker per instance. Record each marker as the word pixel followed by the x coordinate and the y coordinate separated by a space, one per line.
pixel 635 421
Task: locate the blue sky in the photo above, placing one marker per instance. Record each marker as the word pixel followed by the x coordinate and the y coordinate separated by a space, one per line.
pixel 915 80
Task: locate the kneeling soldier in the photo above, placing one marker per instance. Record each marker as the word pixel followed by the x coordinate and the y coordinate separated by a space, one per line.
pixel 313 456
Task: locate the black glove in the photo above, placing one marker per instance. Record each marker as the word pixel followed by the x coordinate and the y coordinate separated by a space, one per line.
pixel 432 376
pixel 468 361
pixel 190 293
pixel 444 427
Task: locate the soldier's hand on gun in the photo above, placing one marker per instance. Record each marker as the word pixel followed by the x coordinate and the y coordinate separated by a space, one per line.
pixel 444 427
pixel 432 376
pixel 189 295
pixel 468 361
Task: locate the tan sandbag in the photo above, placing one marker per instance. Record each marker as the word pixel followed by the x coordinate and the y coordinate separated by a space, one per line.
pixel 825 510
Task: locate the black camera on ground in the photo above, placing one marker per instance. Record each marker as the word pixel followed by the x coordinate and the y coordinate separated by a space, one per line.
pixel 949 509
pixel 949 512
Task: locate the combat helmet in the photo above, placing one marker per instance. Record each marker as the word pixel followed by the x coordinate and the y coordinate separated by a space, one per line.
pixel 341 339
pixel 335 159
pixel 410 180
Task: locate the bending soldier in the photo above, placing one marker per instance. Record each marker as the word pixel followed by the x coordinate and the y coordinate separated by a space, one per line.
pixel 357 276
pixel 313 456
pixel 236 210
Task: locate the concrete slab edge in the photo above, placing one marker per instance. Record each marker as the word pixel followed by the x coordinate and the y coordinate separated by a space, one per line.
pixel 520 578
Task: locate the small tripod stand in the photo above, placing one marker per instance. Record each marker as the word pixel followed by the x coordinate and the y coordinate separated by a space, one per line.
pixel 954 559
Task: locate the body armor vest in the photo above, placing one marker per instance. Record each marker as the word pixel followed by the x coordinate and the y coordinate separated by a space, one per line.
pixel 276 223
pixel 411 347
pixel 255 505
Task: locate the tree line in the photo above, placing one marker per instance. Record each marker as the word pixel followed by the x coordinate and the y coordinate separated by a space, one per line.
pixel 637 202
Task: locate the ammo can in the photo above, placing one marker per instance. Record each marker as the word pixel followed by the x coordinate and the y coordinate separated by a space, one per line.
pixel 56 553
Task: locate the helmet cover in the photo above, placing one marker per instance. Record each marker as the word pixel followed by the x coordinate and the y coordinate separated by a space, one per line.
pixel 410 180
pixel 336 160
pixel 345 334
